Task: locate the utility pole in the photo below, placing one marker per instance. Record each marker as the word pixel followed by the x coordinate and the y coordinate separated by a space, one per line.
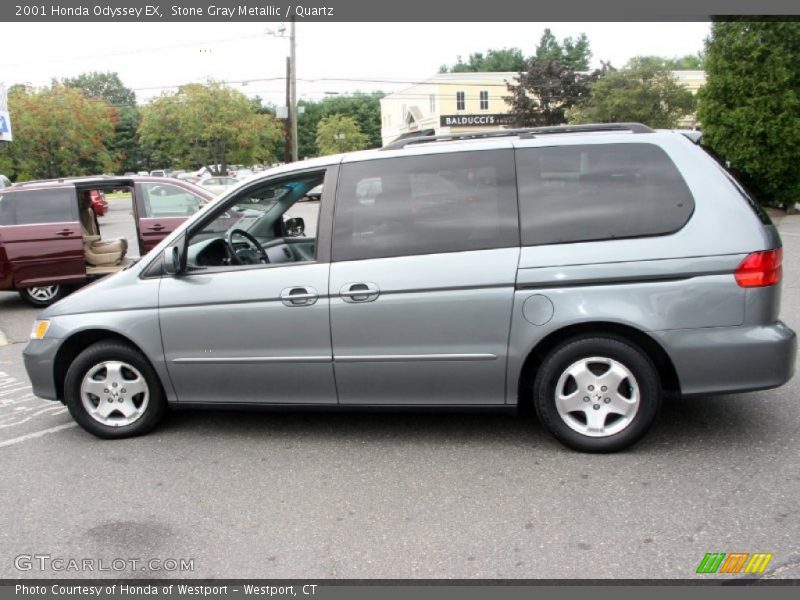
pixel 293 90
pixel 287 126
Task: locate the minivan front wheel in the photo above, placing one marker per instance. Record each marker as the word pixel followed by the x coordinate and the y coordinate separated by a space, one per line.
pixel 598 394
pixel 43 295
pixel 113 392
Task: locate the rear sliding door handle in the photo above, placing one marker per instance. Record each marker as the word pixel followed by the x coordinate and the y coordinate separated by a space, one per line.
pixel 359 292
pixel 299 296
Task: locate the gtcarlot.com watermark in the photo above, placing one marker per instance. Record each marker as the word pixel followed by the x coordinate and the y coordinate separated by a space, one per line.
pixel 63 564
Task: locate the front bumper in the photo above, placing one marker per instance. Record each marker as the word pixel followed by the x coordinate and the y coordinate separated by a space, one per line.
pixel 721 360
pixel 39 357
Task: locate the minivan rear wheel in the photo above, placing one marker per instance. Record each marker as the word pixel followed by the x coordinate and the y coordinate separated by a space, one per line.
pixel 598 394
pixel 45 295
pixel 113 392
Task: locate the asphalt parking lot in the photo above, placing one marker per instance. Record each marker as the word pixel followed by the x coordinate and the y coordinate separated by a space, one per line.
pixel 325 495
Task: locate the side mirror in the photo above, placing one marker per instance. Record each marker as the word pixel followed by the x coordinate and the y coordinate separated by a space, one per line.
pixel 295 227
pixel 171 260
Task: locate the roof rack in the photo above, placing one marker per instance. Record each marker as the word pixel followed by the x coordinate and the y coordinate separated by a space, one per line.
pixel 525 133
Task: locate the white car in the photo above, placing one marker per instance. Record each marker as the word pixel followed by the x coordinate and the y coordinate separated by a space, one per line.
pixel 217 185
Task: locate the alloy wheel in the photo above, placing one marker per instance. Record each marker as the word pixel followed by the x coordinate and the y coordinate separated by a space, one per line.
pixel 114 393
pixel 597 396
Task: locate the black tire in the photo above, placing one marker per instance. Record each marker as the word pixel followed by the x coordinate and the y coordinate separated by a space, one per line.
pixel 569 353
pixel 88 360
pixel 44 295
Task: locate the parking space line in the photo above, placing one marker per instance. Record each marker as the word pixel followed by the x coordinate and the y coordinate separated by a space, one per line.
pixel 36 434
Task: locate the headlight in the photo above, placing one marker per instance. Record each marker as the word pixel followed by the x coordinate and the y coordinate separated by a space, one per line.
pixel 39 329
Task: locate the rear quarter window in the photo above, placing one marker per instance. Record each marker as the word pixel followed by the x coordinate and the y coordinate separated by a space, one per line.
pixel 30 207
pixel 599 192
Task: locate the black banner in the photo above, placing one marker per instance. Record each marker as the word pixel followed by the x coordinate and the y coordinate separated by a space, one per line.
pixel 109 589
pixel 368 10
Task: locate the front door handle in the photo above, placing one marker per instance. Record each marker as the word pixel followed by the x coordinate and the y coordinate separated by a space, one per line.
pixel 299 296
pixel 65 232
pixel 156 227
pixel 359 292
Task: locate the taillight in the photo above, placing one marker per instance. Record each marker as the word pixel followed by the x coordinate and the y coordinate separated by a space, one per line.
pixel 760 269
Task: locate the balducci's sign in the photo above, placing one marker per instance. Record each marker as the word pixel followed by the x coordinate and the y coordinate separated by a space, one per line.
pixel 475 120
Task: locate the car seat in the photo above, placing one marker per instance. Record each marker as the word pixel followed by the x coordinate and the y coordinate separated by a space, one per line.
pixel 96 251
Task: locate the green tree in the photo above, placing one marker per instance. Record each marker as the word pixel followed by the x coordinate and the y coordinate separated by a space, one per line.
pixel 573 53
pixel 364 108
pixel 644 91
pixel 689 62
pixel 504 59
pixel 338 133
pixel 544 93
pixel 207 124
pixel 109 87
pixel 750 105
pixel 58 132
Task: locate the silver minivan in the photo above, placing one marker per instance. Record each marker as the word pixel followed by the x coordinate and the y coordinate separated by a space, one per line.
pixel 583 271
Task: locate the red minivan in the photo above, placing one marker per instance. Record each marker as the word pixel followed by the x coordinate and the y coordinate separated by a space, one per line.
pixel 50 239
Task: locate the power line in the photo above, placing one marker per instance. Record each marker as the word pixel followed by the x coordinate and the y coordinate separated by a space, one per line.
pixel 136 51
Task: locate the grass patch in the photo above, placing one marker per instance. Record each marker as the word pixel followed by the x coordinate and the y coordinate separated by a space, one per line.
pixel 118 196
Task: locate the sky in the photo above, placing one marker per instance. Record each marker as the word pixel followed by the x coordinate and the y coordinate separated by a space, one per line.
pixel 152 58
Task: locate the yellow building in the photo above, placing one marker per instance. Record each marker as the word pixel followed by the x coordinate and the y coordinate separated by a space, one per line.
pixel 453 102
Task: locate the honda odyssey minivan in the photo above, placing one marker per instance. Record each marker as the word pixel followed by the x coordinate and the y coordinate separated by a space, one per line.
pixel 581 270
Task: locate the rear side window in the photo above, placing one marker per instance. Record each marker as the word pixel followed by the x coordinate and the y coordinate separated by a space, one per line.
pixel 165 200
pixel 599 192
pixel 426 205
pixel 57 205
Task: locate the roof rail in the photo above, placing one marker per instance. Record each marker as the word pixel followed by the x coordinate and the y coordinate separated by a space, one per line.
pixel 526 133
pixel 67 179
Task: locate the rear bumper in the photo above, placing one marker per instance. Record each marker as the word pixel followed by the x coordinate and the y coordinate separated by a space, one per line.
pixel 39 357
pixel 719 360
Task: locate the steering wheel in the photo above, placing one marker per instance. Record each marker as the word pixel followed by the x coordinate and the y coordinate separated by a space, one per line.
pixel 255 249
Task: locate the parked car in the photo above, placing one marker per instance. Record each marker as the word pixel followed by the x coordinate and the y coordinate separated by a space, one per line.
pixel 190 177
pixel 242 174
pixel 99 202
pixel 584 271
pixel 50 239
pixel 217 185
pixel 4 181
pixel 161 173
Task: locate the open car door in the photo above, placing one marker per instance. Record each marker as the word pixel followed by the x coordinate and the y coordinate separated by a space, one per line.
pixel 160 207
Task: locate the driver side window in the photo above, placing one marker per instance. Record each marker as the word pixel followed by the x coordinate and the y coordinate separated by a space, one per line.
pixel 274 222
